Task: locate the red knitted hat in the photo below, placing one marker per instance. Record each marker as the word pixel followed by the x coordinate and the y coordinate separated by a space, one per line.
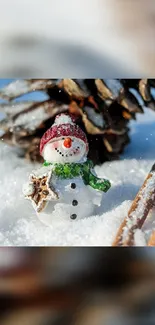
pixel 63 126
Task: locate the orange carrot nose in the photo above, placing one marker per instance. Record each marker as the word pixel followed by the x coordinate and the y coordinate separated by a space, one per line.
pixel 67 142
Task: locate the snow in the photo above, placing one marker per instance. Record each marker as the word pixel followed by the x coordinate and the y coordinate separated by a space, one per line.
pixel 96 117
pixel 13 109
pixel 31 120
pixel 15 88
pixel 28 189
pixel 19 225
pixel 139 238
pixel 21 86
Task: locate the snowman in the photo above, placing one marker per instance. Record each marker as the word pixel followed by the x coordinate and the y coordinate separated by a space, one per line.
pixel 65 187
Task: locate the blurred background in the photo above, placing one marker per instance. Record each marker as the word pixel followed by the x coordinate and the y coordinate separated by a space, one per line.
pixel 90 38
pixel 82 286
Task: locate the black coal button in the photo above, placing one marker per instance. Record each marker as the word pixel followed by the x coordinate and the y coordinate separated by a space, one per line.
pixel 73 216
pixel 73 185
pixel 74 203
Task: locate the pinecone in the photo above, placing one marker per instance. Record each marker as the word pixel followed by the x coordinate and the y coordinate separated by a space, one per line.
pixel 103 109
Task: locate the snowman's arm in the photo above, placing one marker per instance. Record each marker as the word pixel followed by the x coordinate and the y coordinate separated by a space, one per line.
pixel 99 184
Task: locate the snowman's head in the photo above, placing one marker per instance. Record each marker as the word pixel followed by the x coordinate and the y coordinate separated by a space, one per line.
pixel 64 142
pixel 65 149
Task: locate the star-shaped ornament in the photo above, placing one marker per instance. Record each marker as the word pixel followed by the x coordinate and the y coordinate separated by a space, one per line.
pixel 42 192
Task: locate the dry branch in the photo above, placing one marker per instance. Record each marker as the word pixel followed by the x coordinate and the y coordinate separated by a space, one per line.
pixel 140 208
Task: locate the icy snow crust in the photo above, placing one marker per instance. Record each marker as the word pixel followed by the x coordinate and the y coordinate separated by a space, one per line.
pixel 19 224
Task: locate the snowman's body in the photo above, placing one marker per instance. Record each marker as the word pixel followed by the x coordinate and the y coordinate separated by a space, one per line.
pixel 76 201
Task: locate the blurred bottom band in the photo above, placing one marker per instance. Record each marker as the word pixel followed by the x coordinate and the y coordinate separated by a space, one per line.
pixel 77 286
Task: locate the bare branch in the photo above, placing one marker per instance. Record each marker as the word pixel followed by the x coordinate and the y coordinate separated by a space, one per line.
pixel 142 204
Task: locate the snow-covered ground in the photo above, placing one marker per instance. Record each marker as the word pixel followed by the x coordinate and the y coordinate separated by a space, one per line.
pixel 19 224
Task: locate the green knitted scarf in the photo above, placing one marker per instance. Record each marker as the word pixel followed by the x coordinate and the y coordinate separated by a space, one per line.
pixel 71 170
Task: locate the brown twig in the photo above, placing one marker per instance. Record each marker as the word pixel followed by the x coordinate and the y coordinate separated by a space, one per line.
pixel 142 204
